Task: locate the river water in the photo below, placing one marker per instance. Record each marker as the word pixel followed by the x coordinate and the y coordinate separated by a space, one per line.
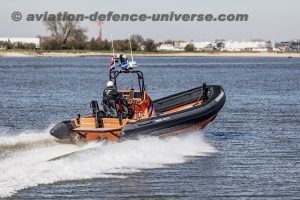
pixel 251 150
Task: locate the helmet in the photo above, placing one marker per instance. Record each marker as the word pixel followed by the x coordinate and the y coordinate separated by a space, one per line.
pixel 110 84
pixel 121 56
pixel 124 56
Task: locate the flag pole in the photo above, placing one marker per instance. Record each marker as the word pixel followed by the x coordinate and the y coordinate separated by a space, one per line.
pixel 112 44
pixel 130 47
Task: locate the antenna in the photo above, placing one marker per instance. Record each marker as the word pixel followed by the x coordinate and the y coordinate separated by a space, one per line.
pixel 113 48
pixel 112 44
pixel 130 47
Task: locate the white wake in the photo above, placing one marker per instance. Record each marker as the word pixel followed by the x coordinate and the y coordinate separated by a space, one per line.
pixel 29 166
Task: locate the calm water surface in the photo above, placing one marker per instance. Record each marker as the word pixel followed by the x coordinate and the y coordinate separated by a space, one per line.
pixel 250 151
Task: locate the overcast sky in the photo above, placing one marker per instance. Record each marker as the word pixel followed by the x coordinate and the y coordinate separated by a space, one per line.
pixel 268 19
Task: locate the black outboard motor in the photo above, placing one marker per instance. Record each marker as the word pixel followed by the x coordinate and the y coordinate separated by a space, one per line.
pixel 96 113
pixel 95 107
pixel 62 130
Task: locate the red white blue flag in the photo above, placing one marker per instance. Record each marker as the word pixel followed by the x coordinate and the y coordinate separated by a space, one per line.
pixel 151 111
pixel 111 64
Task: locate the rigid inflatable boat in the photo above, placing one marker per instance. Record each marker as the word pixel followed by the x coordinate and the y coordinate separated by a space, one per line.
pixel 171 115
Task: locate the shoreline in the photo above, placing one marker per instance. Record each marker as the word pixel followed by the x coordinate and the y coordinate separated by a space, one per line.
pixel 155 54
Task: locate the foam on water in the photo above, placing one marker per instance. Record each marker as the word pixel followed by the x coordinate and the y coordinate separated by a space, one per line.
pixel 10 142
pixel 30 167
pixel 9 138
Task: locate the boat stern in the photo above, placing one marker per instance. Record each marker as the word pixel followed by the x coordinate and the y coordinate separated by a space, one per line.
pixel 62 130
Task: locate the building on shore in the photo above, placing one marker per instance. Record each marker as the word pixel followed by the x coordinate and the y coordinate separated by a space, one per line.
pixel 282 46
pixel 295 45
pixel 221 45
pixel 168 47
pixel 257 46
pixel 14 41
pixel 199 46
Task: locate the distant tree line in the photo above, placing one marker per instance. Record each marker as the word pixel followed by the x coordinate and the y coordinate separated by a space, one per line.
pixel 69 35
pixel 16 45
pixel 49 43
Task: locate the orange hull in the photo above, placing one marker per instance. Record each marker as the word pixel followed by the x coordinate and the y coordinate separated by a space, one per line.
pixel 176 114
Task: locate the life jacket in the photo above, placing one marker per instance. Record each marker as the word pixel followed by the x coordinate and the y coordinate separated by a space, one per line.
pixel 111 94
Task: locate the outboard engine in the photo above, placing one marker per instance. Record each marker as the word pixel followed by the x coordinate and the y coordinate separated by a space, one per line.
pixel 97 113
pixel 62 130
pixel 95 108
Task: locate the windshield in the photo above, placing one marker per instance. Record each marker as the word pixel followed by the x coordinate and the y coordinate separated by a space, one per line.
pixel 128 80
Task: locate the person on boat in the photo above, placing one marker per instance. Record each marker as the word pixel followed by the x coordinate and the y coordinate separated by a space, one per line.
pixel 123 62
pixel 113 103
pixel 110 97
